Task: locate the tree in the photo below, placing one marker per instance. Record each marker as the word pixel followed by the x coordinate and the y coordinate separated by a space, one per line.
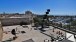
pixel 73 23
pixel 67 26
pixel 70 20
pixel 37 21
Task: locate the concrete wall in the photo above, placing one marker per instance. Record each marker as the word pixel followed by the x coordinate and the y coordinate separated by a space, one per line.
pixel 13 21
pixel 1 32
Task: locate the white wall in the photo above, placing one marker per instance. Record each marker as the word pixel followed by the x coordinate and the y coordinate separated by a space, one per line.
pixel 71 38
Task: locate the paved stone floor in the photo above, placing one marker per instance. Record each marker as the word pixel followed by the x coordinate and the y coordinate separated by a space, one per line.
pixel 50 32
pixel 30 34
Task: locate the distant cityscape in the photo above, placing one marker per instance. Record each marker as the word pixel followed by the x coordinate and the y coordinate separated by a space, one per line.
pixel 28 16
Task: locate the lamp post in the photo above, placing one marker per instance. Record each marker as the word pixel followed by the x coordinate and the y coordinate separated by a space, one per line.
pixel 48 10
pixel 45 17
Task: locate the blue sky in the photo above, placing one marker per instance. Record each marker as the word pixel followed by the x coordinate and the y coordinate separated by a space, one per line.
pixel 57 7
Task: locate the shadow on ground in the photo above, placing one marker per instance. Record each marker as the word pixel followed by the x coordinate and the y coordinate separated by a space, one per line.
pixel 9 40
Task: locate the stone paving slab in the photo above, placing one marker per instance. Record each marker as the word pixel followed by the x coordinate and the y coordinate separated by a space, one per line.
pixel 50 32
pixel 30 34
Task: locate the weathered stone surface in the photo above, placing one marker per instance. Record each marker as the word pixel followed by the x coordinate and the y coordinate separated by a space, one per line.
pixel 1 31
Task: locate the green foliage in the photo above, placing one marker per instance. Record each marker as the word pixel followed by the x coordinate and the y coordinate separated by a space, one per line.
pixel 66 26
pixel 37 21
pixel 73 23
pixel 70 20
